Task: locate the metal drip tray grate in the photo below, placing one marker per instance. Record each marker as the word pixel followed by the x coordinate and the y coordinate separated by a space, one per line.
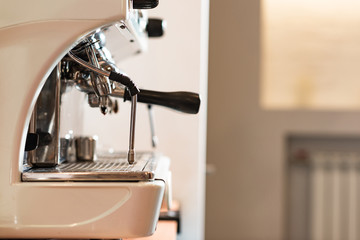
pixel 107 167
pixel 99 166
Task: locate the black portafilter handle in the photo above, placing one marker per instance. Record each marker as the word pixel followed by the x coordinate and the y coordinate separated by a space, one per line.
pixel 186 102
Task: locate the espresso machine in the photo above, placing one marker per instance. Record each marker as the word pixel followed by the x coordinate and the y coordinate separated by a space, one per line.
pixel 57 59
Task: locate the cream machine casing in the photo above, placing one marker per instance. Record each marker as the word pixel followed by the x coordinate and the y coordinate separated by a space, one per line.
pixel 35 36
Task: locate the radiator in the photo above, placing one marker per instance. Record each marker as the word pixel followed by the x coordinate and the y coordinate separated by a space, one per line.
pixel 323 188
pixel 334 196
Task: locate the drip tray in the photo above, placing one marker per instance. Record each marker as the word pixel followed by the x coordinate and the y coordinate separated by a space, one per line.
pixel 107 167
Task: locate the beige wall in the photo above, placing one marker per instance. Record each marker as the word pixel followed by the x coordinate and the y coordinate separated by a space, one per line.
pixel 246 197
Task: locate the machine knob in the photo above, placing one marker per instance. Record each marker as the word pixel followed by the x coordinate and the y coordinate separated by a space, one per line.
pixel 155 27
pixel 145 4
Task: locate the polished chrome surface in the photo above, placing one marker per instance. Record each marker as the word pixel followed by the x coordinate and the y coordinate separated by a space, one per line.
pixel 30 156
pixel 67 149
pixel 80 78
pixel 89 66
pixel 64 148
pixel 118 90
pixel 89 77
pixel 85 148
pixel 131 153
pixel 93 100
pixel 103 55
pixel 108 167
pixel 101 84
pixel 45 122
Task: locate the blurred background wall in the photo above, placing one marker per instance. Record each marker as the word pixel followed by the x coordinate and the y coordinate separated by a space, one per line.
pixel 247 191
